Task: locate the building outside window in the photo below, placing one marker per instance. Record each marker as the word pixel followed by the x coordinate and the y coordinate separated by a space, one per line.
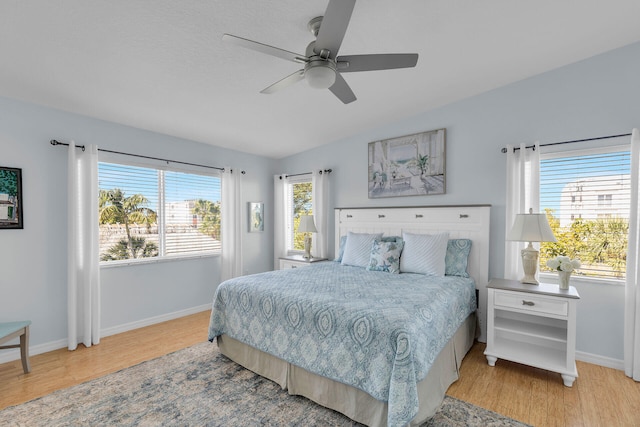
pixel 152 213
pixel 586 195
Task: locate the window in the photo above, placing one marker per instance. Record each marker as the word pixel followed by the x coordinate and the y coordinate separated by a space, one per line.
pixel 595 229
pixel 604 200
pixel 299 202
pixel 151 213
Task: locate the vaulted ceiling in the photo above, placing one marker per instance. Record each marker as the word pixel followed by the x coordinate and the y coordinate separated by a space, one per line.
pixel 161 65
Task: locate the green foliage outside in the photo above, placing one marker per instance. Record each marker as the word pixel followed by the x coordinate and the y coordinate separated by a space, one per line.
pixel 123 249
pixel 115 208
pixel 600 244
pixel 208 214
pixel 301 206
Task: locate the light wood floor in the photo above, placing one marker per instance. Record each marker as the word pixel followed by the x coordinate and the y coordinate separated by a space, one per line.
pixel 599 397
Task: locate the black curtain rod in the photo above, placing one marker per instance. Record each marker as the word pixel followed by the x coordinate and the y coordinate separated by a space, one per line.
pixel 307 173
pixel 504 150
pixel 54 142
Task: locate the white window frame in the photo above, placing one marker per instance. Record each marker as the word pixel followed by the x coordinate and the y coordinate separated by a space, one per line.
pixel 302 179
pixel 546 275
pixel 161 167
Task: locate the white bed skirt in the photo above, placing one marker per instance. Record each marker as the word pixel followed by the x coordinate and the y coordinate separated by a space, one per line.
pixel 350 401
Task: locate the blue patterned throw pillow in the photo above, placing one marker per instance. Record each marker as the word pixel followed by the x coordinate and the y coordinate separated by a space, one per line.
pixel 457 257
pixel 385 256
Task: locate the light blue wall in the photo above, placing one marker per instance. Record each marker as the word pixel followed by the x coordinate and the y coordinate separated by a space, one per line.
pixel 596 97
pixel 33 260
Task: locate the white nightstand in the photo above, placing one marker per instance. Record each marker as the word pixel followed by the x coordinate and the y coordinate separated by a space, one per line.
pixel 534 325
pixel 297 261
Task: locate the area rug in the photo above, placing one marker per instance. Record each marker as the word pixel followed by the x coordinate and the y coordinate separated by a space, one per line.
pixel 198 386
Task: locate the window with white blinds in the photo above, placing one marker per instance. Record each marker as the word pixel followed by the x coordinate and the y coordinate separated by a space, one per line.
pixel 299 202
pixel 151 213
pixel 586 196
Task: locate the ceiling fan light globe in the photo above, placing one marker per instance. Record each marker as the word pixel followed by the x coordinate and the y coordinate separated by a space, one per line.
pixel 320 77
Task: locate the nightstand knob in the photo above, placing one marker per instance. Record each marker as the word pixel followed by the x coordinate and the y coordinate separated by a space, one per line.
pixel 529 303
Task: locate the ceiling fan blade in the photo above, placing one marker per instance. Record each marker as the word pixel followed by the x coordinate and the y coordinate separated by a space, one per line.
pixel 264 48
pixel 384 61
pixel 287 81
pixel 342 90
pixel 334 26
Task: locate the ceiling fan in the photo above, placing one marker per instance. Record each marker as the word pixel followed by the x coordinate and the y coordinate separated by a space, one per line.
pixel 322 65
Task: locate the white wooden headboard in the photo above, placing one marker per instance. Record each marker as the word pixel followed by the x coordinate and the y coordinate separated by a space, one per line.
pixel 470 222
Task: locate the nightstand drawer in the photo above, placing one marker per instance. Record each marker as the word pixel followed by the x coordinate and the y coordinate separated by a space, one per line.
pixel 285 264
pixel 531 303
pixel 297 261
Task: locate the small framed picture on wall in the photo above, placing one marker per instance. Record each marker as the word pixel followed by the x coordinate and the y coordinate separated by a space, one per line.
pixel 10 198
pixel 256 217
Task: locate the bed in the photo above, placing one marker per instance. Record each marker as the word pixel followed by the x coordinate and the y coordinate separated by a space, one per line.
pixel 379 347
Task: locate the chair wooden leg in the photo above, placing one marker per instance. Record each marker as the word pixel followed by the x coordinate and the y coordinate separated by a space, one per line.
pixel 24 350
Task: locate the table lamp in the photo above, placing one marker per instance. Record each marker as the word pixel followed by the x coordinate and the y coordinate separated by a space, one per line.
pixel 530 228
pixel 307 226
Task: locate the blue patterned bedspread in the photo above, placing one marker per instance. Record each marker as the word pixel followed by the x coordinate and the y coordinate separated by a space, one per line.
pixel 376 331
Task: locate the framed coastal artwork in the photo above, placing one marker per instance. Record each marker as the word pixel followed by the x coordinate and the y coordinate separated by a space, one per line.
pixel 410 165
pixel 10 198
pixel 256 217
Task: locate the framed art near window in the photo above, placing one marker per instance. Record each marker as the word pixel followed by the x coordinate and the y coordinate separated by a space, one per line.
pixel 256 217
pixel 10 198
pixel 410 165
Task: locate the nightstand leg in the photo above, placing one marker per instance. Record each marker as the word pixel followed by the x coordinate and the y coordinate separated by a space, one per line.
pixel 492 360
pixel 568 380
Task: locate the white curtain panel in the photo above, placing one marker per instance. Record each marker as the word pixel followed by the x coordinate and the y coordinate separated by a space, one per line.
pixel 280 183
pixel 632 290
pixel 83 269
pixel 523 192
pixel 231 224
pixel 320 188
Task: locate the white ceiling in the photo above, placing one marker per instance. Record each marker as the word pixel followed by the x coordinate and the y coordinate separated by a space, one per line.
pixel 160 65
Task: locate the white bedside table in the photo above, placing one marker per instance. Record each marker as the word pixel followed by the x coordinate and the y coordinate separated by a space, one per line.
pixel 297 261
pixel 534 325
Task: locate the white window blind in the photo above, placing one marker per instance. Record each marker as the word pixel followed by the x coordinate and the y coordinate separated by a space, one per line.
pixel 147 212
pixel 587 196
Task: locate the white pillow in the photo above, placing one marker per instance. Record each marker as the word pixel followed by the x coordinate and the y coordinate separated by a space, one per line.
pixel 424 253
pixel 357 249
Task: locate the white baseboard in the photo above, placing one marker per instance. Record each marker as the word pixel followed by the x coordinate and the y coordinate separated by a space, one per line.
pixel 14 354
pixel 595 359
pixel 153 320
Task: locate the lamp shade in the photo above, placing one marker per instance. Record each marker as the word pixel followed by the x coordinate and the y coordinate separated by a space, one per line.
pixel 531 228
pixel 306 224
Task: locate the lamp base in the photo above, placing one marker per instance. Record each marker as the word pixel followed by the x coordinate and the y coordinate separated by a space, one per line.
pixel 307 247
pixel 529 264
